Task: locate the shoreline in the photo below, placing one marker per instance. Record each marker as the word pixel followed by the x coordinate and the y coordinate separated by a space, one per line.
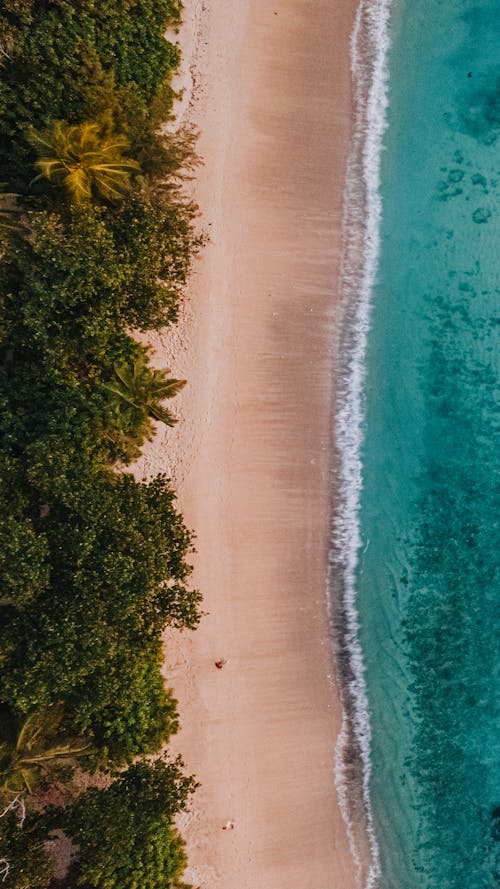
pixel 252 455
pixel 361 248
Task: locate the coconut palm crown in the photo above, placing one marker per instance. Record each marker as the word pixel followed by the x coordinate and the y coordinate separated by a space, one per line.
pixel 140 389
pixel 84 161
pixel 36 753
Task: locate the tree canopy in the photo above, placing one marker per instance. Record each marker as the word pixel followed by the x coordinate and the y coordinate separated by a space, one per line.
pixel 96 241
pixel 60 60
pixel 125 832
pixel 91 638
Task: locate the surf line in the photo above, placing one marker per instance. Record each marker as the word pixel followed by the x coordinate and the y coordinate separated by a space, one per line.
pixel 362 216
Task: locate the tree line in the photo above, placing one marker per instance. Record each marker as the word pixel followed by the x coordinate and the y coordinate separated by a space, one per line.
pixel 96 242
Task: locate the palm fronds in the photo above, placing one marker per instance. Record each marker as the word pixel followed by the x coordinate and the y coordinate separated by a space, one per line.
pixel 84 161
pixel 36 753
pixel 142 389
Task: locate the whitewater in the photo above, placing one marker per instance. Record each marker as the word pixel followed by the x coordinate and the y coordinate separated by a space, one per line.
pixel 361 244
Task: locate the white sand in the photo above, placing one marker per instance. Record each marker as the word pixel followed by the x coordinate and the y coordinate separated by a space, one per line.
pixel 251 456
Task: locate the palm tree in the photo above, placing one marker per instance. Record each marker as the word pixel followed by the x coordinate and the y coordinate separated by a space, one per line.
pixel 84 161
pixel 32 757
pixel 138 391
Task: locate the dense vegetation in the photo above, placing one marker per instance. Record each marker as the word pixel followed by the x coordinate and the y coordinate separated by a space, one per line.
pixel 96 240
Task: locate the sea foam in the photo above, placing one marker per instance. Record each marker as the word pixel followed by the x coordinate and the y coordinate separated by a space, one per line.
pixel 361 236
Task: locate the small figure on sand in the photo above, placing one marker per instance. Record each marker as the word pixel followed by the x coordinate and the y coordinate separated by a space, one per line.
pixel 220 663
pixel 229 825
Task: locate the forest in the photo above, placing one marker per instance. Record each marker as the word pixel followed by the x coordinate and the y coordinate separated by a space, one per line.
pixel 97 238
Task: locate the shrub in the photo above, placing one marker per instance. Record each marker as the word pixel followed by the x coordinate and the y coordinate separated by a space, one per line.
pixel 91 638
pixel 59 55
pixel 125 832
pixel 24 863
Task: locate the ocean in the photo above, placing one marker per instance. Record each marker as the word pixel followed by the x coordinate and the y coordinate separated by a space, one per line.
pixel 414 564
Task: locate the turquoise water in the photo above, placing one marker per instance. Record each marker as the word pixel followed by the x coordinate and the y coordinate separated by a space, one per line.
pixel 427 594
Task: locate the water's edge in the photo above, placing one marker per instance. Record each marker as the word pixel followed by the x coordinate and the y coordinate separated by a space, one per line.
pixel 360 251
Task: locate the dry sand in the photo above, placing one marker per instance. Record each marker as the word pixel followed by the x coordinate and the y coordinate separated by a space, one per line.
pixel 269 87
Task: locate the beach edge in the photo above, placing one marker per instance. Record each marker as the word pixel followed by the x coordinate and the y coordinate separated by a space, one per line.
pixel 250 380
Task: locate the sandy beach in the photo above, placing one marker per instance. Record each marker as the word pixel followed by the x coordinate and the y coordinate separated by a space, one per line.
pixel 268 84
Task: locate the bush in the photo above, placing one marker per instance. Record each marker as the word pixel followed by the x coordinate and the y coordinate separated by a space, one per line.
pixel 24 864
pixel 83 278
pixel 24 563
pixel 155 245
pixel 125 832
pixel 117 553
pixel 70 297
pixel 94 564
pixel 124 706
pixel 59 55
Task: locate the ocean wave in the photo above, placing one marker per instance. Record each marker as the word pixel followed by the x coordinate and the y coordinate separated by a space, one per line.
pixel 361 243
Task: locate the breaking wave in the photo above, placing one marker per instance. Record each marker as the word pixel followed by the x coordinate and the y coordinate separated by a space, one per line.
pixel 361 235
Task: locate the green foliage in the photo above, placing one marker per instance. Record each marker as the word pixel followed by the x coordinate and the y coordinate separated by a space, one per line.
pixel 85 161
pixel 24 566
pixel 101 558
pixel 154 238
pixel 118 569
pixel 82 279
pixel 93 564
pixel 36 754
pixel 125 833
pixel 24 863
pixel 133 46
pixel 59 55
pixel 69 293
pixel 23 561
pixel 125 707
pixel 136 394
